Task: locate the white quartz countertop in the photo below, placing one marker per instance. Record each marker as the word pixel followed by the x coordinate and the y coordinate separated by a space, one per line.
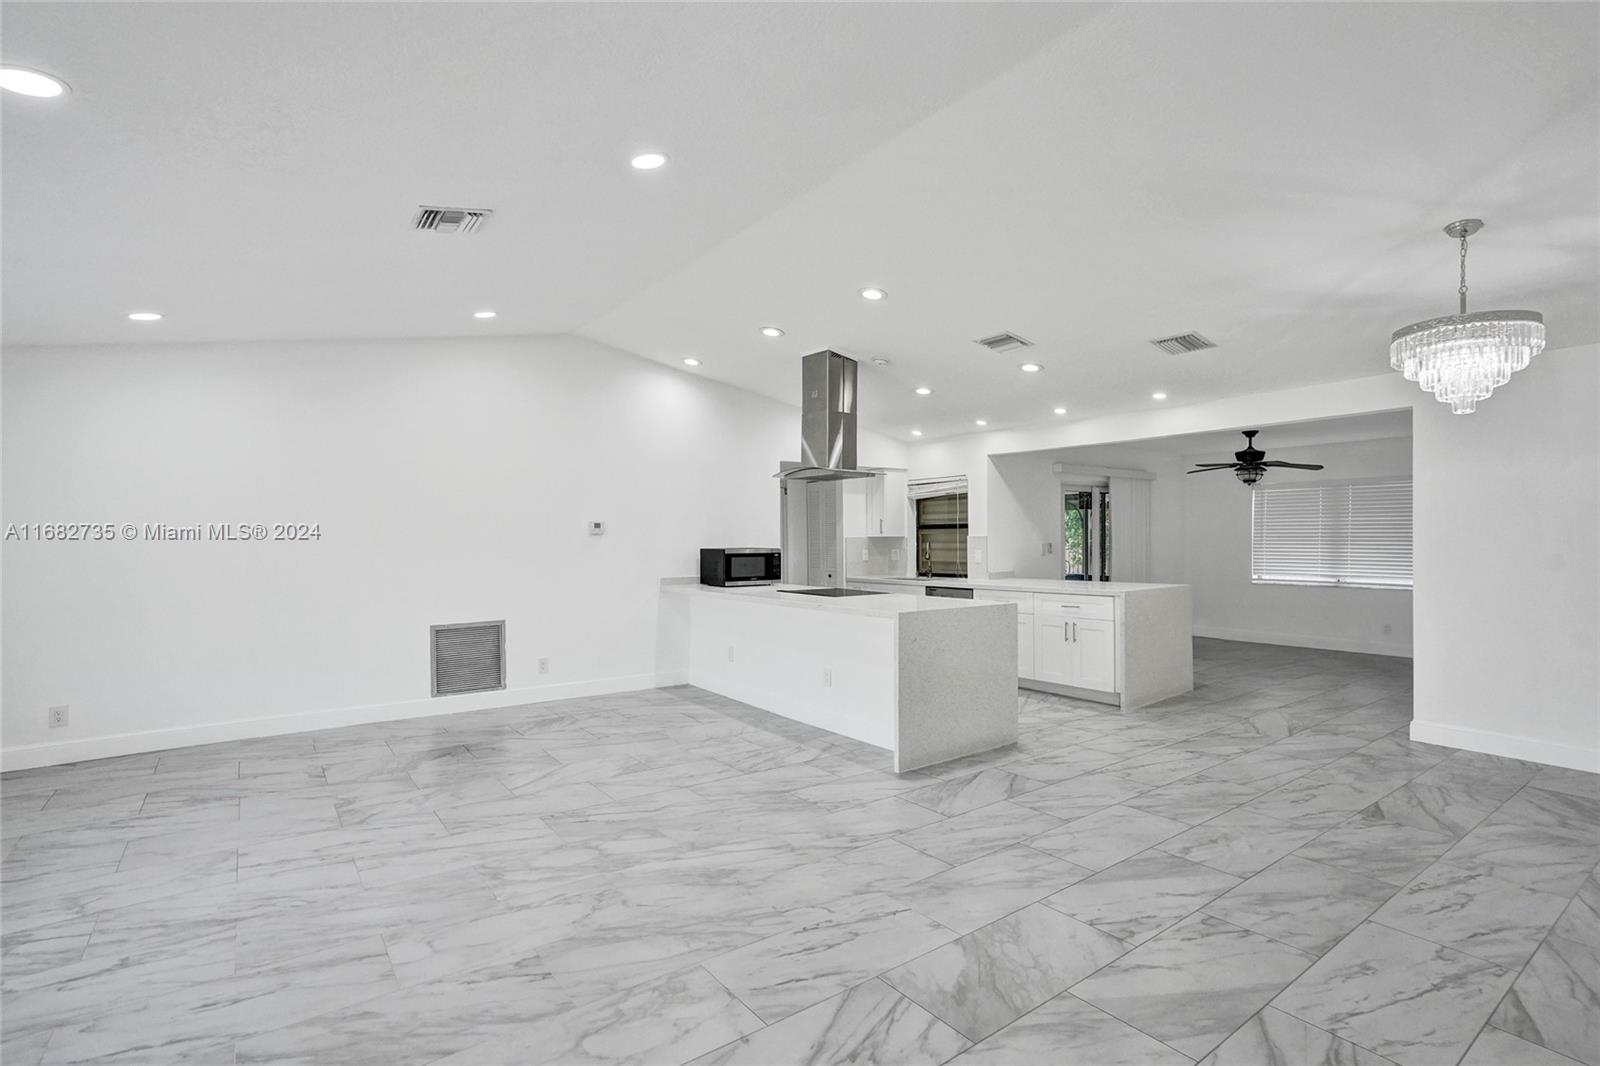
pixel 888 605
pixel 1020 584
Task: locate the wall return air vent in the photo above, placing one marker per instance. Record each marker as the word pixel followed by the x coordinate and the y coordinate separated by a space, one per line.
pixel 1004 342
pixel 451 219
pixel 1183 342
pixel 468 657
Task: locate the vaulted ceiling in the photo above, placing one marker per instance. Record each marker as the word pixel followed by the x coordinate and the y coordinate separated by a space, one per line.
pixel 1273 176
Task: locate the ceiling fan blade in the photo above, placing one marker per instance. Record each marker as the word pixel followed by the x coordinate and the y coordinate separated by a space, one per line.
pixel 1296 466
pixel 1216 464
pixel 1213 468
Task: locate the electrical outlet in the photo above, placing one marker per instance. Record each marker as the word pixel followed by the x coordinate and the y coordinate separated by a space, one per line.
pixel 863 554
pixel 827 677
pixel 58 717
pixel 544 666
pixel 1387 629
pixel 894 554
pixel 730 653
pixel 1047 549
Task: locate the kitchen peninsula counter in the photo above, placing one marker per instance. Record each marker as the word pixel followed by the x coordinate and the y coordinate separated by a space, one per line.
pixel 1126 643
pixel 928 680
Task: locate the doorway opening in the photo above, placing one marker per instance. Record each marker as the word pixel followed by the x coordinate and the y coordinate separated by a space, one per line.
pixel 1086 532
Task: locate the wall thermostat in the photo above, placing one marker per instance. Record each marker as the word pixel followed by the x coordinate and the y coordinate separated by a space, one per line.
pixel 597 529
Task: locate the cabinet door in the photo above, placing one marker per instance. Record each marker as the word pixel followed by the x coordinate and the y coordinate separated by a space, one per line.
pixel 873 488
pixel 854 500
pixel 1095 654
pixel 1025 645
pixel 892 515
pixel 1052 650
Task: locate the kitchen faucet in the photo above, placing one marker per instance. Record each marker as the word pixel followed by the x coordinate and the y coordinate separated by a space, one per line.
pixel 926 569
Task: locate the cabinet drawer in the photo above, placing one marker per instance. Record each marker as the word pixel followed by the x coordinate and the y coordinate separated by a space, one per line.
pixel 1023 600
pixel 1069 607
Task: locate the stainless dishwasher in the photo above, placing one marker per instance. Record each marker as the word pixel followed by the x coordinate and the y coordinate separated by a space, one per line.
pixel 950 592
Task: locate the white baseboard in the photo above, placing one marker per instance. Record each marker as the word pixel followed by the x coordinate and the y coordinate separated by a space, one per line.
pixel 29 756
pixel 1489 742
pixel 1294 640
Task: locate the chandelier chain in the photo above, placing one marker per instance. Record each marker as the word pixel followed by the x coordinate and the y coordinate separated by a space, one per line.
pixel 1463 289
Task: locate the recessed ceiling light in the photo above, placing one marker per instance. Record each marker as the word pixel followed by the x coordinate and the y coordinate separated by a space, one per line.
pixel 1158 396
pixel 145 316
pixel 483 314
pixel 873 294
pixel 923 390
pixel 980 422
pixel 30 82
pixel 691 362
pixel 649 161
pixel 916 433
pixel 1029 368
pixel 771 331
pixel 1061 410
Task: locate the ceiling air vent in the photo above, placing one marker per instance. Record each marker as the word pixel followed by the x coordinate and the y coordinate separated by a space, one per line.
pixel 1183 342
pixel 468 657
pixel 451 219
pixel 1004 342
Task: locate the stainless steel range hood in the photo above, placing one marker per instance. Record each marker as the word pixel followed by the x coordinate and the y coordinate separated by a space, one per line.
pixel 827 420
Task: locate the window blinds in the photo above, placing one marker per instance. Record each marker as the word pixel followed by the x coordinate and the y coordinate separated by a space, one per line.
pixel 1130 529
pixel 1347 533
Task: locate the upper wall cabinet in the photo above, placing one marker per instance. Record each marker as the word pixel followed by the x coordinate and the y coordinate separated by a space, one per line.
pixel 876 506
pixel 890 491
pixel 854 509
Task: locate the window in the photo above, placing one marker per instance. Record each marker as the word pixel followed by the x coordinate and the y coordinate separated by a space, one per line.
pixel 942 535
pixel 1344 533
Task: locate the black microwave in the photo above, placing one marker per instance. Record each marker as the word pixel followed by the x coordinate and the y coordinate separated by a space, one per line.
pixel 740 566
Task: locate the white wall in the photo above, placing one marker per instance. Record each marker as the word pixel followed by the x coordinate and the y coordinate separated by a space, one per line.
pixel 1507 535
pixel 452 480
pixel 1227 604
pixel 1024 508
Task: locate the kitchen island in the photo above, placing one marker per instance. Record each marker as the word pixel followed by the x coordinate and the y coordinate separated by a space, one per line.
pixel 1126 643
pixel 929 680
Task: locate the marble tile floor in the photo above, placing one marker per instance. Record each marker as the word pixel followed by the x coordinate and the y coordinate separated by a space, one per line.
pixel 1266 870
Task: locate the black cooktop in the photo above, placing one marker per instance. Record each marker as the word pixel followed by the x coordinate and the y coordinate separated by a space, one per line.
pixel 831 592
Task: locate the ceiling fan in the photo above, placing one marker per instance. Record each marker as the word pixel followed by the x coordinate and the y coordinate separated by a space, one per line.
pixel 1251 464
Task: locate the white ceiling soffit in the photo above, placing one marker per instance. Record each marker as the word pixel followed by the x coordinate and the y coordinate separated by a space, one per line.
pixel 1220 445
pixel 1273 176
pixel 252 170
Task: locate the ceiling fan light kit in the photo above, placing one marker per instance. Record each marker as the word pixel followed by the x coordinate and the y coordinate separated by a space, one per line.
pixel 1251 463
pixel 1462 358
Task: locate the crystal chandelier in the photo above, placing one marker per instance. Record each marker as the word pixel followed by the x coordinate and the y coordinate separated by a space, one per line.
pixel 1462 358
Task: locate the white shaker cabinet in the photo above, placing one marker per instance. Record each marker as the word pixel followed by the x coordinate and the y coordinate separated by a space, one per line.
pixel 886 504
pixel 1094 647
pixel 876 506
pixel 1075 641
pixel 853 507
